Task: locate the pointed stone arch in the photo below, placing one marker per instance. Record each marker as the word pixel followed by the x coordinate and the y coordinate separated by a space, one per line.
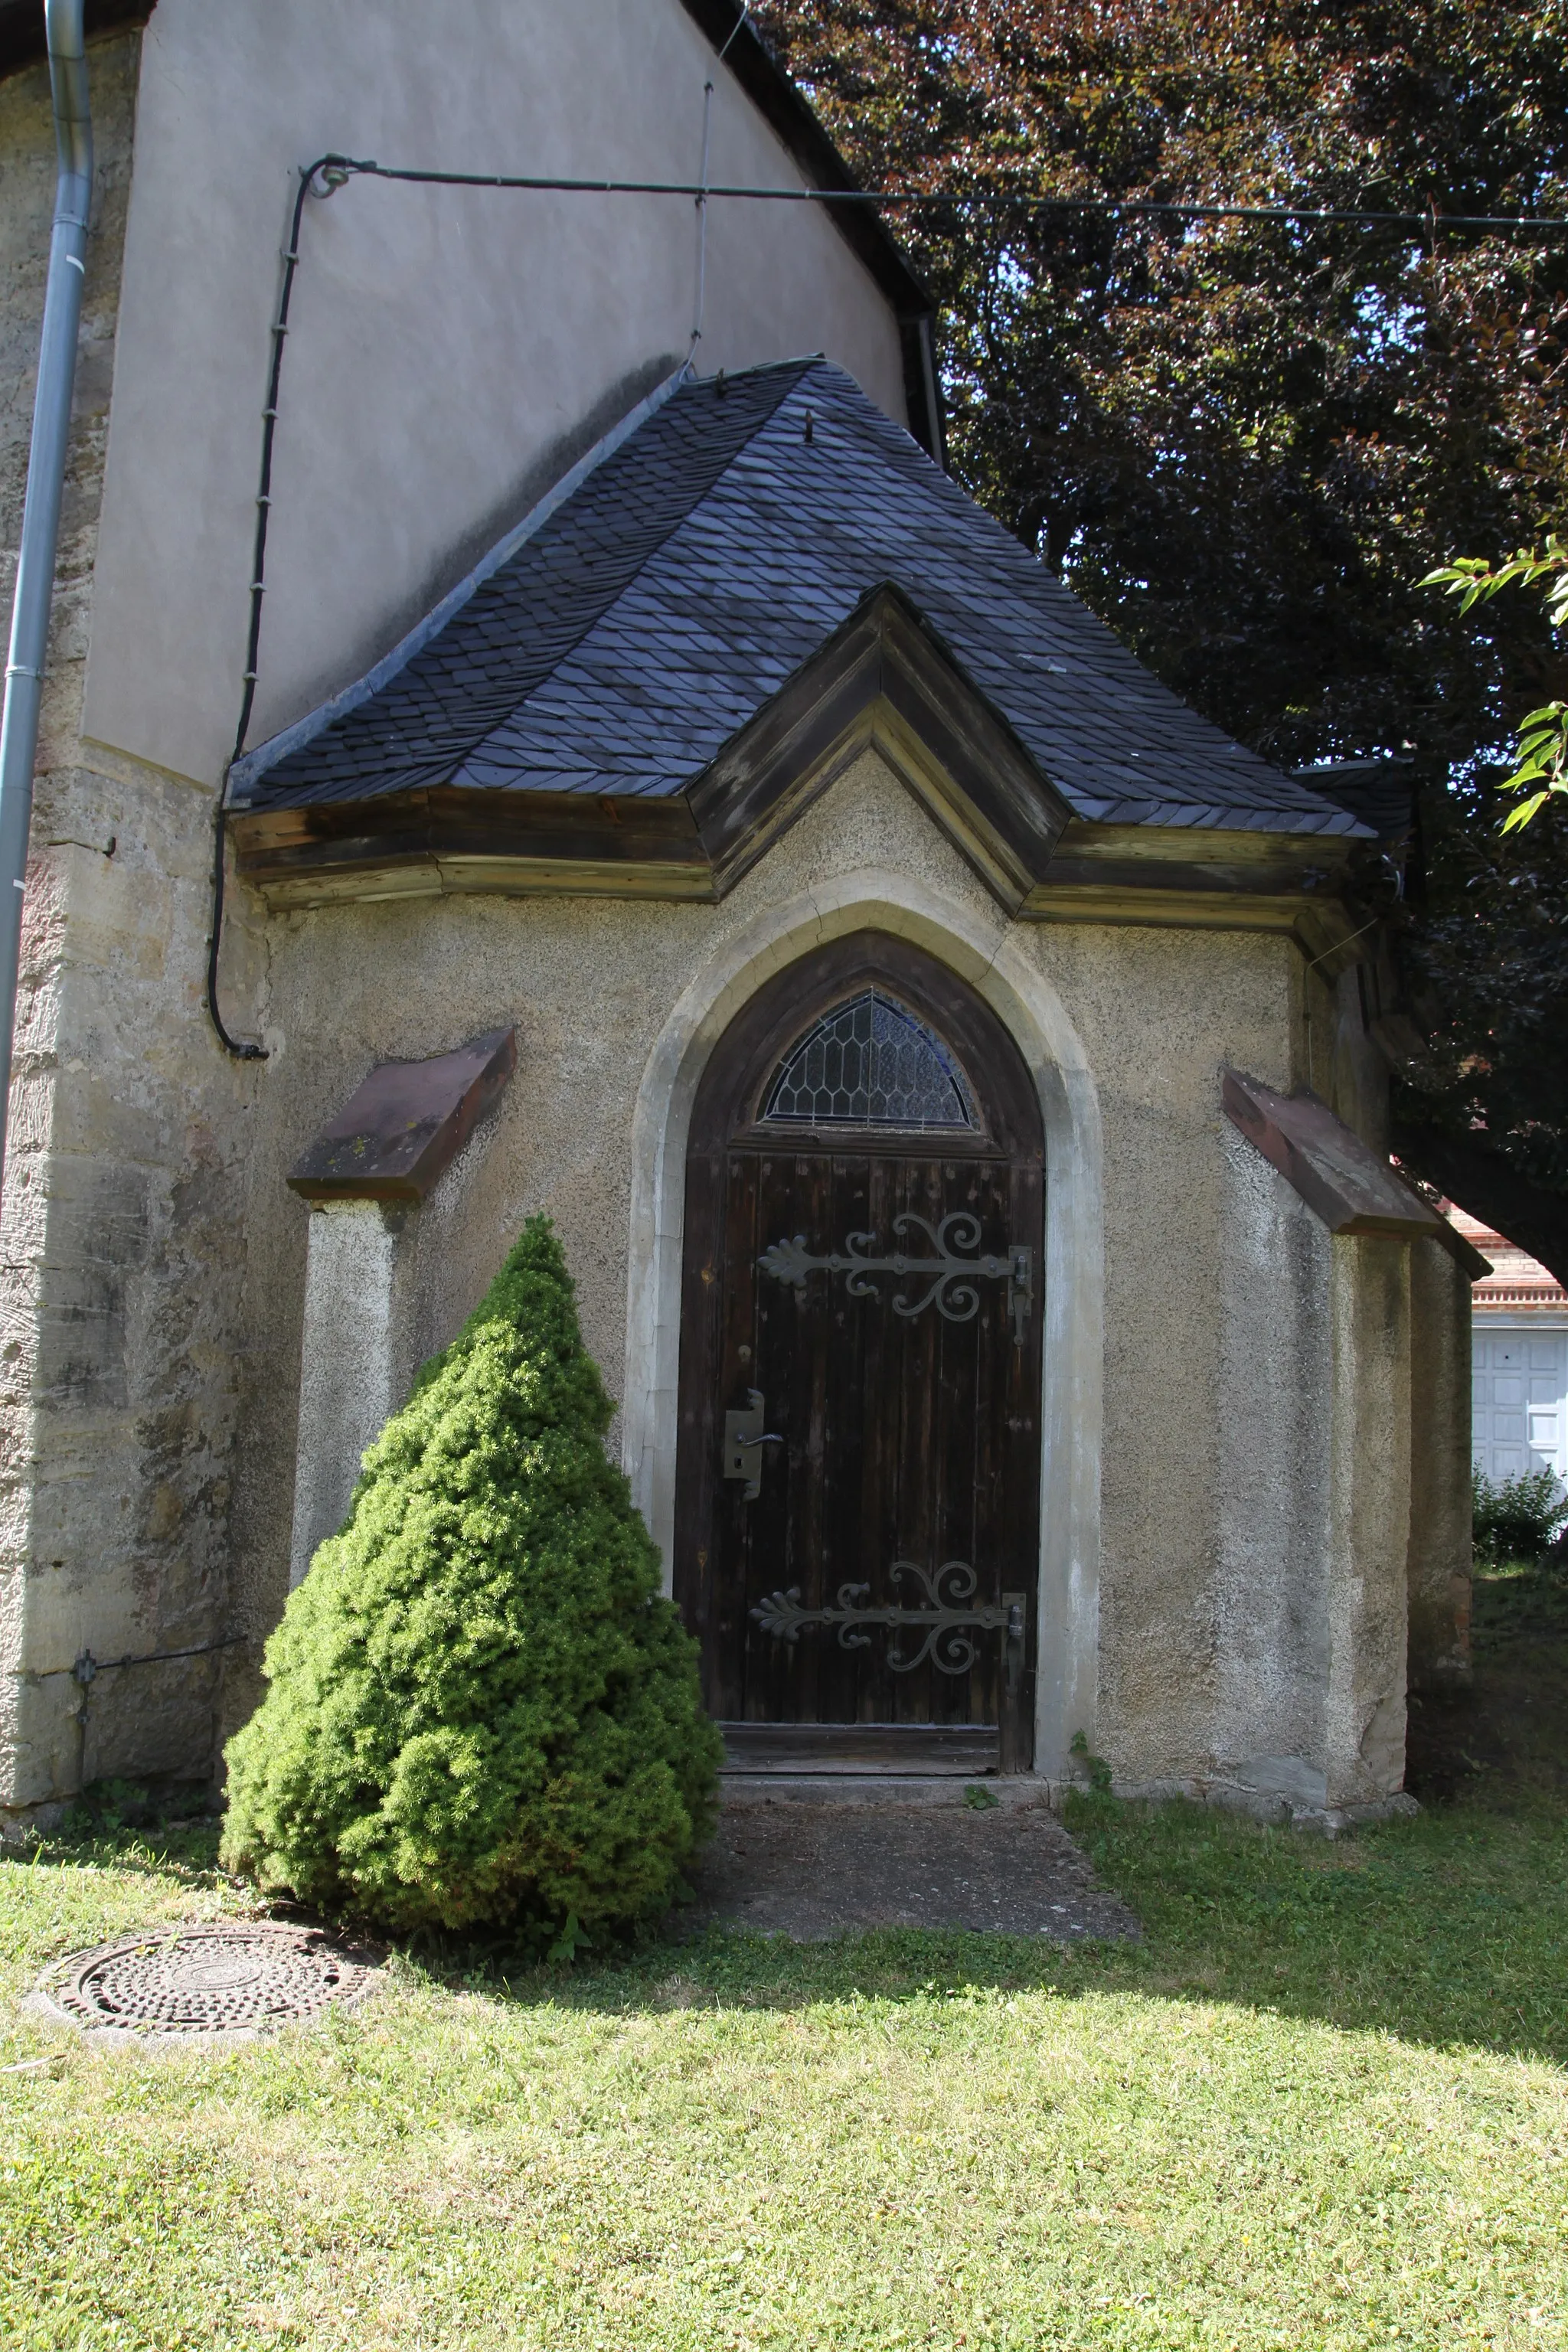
pixel 983 950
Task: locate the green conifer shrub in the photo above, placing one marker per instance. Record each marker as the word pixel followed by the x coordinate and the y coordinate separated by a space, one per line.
pixel 1514 1519
pixel 480 1706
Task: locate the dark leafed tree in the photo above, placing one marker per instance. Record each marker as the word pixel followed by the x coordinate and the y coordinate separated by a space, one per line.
pixel 1246 444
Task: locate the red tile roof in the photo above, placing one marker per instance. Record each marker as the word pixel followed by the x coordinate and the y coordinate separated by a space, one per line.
pixel 1517 1280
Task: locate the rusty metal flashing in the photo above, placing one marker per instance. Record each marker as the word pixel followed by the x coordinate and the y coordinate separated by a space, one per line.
pixel 1342 1179
pixel 405 1124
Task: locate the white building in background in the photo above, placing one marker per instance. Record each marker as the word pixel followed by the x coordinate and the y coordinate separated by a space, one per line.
pixel 1518 1355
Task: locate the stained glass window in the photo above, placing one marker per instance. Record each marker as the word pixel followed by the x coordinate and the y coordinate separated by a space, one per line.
pixel 869 1063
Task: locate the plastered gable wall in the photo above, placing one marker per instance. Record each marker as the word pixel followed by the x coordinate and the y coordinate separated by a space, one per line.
pixel 590 983
pixel 450 352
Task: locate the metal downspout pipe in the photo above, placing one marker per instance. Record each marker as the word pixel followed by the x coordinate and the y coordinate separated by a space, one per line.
pixel 41 510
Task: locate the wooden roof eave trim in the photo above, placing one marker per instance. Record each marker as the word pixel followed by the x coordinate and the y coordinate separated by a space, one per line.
pixel 882 681
pixel 296 866
pixel 362 869
pixel 449 840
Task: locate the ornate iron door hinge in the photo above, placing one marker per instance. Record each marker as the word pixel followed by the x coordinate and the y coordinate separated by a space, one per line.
pixel 946 1625
pixel 952 1279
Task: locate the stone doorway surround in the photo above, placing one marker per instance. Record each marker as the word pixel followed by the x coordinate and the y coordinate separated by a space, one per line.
pixel 980 948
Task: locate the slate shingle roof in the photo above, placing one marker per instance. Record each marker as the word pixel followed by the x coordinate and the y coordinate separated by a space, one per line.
pixel 1379 792
pixel 698 565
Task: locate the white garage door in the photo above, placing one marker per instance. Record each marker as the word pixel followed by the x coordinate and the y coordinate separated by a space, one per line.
pixel 1520 1413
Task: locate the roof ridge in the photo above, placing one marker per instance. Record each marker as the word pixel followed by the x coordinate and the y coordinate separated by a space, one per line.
pixel 696 571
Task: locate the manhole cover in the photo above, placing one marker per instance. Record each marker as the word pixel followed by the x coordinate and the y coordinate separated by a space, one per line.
pixel 247 1976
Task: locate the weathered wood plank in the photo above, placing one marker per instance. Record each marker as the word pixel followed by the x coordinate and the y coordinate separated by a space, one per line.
pixel 906 1437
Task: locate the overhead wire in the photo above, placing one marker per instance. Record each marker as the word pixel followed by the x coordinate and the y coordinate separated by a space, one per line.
pixel 243 1049
pixel 1119 207
pixel 702 220
pixel 330 171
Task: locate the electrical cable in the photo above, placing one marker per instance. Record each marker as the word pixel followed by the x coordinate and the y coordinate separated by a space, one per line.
pixel 702 221
pixel 242 1050
pixel 1118 207
pixel 734 29
pixel 85 1668
pixel 333 171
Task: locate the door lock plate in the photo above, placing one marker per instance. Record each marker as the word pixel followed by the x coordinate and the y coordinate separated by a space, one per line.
pixel 744 1438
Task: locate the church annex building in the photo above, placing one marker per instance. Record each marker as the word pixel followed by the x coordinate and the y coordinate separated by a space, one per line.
pixel 956 1071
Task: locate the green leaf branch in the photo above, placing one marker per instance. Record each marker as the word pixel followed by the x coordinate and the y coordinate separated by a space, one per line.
pixel 1540 758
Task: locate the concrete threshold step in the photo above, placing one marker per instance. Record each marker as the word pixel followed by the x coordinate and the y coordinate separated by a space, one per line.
pixel 1014 1789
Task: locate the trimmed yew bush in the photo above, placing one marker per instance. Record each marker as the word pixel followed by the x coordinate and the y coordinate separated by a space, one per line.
pixel 480 1706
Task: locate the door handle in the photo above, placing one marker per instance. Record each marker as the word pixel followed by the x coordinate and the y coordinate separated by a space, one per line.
pixel 743 1434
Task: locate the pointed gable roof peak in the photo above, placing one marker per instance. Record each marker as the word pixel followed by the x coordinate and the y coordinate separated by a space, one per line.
pixel 631 632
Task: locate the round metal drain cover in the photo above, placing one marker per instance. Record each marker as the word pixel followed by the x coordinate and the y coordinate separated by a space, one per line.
pixel 244 1976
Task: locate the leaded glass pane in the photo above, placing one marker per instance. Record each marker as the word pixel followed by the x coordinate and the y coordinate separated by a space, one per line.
pixel 869 1063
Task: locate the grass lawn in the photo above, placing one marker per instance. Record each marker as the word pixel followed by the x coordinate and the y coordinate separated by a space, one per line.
pixel 1323 2105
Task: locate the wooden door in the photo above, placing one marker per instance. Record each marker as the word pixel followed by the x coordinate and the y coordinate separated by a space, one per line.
pixel 857 1528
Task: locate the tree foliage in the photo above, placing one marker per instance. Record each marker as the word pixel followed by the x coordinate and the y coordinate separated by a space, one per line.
pixel 1246 444
pixel 480 1706
pixel 1540 766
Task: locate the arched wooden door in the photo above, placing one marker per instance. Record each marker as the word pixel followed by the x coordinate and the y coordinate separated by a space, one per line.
pixel 857 1523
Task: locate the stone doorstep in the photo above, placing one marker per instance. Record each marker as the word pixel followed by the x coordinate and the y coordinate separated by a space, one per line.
pixel 1015 1791
pixel 1022 1790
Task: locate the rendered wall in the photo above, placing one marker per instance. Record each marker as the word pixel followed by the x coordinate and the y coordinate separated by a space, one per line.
pixel 1220 1640
pixel 1363 1741
pixel 1438 1563
pixel 450 352
pixel 1272 1598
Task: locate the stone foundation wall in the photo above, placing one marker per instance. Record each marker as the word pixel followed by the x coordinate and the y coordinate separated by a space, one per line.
pixel 122 1251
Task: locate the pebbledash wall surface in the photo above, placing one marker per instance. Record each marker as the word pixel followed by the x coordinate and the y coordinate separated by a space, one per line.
pixel 1227 1509
pixel 1245 1505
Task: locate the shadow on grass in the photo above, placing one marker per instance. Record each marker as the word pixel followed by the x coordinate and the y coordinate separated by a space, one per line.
pixel 159 1849
pixel 1448 1930
pixel 1445 1930
pixel 1451 1929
